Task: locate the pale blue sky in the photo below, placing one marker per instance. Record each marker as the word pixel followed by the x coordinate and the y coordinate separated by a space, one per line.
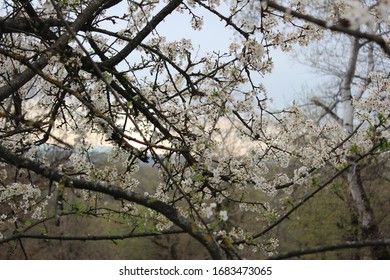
pixel 283 84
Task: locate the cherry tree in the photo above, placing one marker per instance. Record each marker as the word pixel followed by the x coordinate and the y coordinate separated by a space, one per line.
pixel 352 68
pixel 76 73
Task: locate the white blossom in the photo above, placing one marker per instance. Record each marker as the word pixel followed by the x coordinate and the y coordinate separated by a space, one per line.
pixel 358 15
pixel 223 215
pixel 209 210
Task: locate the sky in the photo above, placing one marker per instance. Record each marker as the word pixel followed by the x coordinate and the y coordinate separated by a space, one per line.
pixel 287 79
pixel 285 82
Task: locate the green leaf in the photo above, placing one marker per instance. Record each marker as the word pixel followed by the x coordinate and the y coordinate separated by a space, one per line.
pixel 273 217
pixel 77 206
pixel 197 178
pixel 382 118
pixel 355 149
pixel 314 181
pixel 341 166
pixel 384 145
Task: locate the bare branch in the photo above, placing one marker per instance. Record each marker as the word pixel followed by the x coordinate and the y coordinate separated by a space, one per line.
pixel 328 110
pixel 333 27
pixel 332 247
pixel 149 27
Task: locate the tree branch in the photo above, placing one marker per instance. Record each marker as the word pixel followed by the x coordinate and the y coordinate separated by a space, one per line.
pixel 19 80
pixel 20 236
pixel 333 27
pixel 25 25
pixel 309 196
pixel 328 110
pixel 148 201
pixel 332 247
pixel 150 26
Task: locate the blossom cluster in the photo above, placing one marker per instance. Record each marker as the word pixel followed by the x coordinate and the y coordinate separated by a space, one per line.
pixel 204 120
